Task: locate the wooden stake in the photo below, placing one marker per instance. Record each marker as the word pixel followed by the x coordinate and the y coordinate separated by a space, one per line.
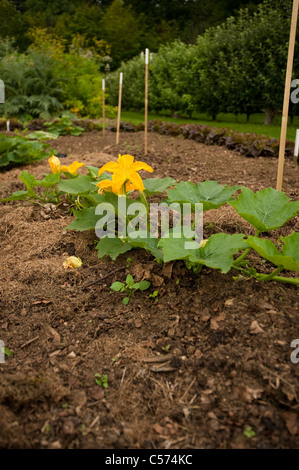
pixel 119 107
pixel 146 101
pixel 287 90
pixel 103 92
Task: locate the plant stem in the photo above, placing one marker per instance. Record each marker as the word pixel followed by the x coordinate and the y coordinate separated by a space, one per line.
pixel 243 255
pixel 143 199
pixel 288 280
pixel 270 277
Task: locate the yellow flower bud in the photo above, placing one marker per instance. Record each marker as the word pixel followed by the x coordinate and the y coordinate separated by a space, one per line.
pixel 72 262
pixel 203 242
pixel 54 164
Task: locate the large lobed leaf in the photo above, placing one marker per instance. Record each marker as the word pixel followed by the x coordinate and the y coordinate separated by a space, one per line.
pixel 112 247
pixel 82 184
pixel 147 243
pixel 157 185
pixel 210 193
pixel 86 219
pixel 288 258
pixel 266 210
pixel 217 253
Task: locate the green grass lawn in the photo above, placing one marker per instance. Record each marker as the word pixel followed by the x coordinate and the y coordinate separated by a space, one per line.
pixel 255 126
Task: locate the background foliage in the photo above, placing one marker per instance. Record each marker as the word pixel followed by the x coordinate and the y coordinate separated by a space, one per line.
pixel 55 54
pixel 236 67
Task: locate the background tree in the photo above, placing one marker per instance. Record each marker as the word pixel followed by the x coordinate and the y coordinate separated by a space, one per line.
pixel 122 30
pixel 242 63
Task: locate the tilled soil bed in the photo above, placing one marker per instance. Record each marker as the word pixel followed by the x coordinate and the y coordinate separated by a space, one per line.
pixel 196 369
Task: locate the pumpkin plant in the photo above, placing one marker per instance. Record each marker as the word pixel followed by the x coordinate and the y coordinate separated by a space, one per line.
pixel 107 203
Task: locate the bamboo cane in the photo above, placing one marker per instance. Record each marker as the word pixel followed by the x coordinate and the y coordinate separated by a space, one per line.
pixel 285 112
pixel 103 92
pixel 146 101
pixel 119 107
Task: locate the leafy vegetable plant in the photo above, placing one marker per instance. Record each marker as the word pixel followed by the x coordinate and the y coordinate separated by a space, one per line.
pixel 154 295
pixel 51 192
pixel 63 126
pixel 20 150
pixel 129 287
pixel 101 380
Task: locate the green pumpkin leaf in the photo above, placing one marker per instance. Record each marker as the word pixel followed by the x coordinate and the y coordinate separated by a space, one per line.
pixel 112 247
pixel 49 180
pixel 82 184
pixel 147 243
pixel 86 219
pixel 288 258
pixel 210 193
pixel 174 248
pixel 156 185
pixel 217 253
pixel 17 196
pixel 266 210
pixel 28 179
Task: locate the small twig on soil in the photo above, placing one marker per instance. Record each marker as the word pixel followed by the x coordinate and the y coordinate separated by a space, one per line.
pixel 123 376
pixel 157 359
pixel 187 390
pixel 29 342
pixel 94 422
pixel 103 277
pixel 192 399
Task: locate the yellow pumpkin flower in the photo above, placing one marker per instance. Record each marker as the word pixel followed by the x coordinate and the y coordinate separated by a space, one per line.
pixel 203 242
pixel 57 168
pixel 72 168
pixel 54 164
pixel 106 185
pixel 72 262
pixel 125 175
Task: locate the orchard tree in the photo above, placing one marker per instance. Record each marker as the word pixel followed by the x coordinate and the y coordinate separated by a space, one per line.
pixel 171 79
pixel 133 84
pixel 242 63
pixel 122 31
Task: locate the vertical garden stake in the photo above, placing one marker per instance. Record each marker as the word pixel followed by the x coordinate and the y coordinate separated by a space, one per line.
pixel 2 101
pixel 103 93
pixel 2 92
pixel 296 149
pixel 119 107
pixel 146 101
pixel 285 112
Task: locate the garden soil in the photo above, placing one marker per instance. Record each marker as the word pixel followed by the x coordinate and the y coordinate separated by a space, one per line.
pixel 206 366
